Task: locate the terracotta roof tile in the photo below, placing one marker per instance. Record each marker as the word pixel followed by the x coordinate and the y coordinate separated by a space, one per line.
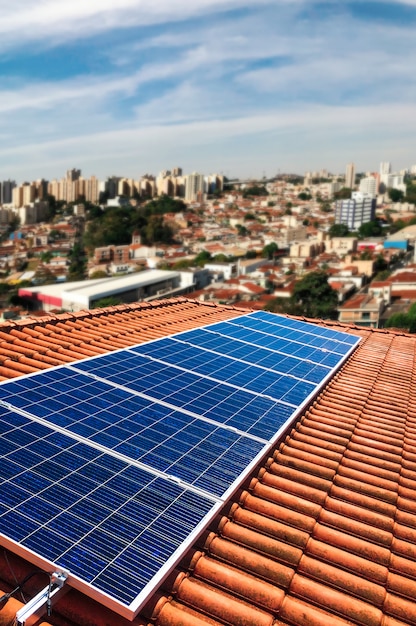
pixel 325 532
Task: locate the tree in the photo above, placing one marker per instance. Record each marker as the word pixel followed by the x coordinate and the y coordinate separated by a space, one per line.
pixel 315 296
pixel 383 275
pixel 77 265
pixel 104 302
pixel 312 296
pixel 399 320
pixel 45 257
pixel 339 230
pixel 255 190
pixel 370 229
pixel 203 257
pixel 380 264
pixel 343 194
pixel 270 250
pixel 304 196
pixel 156 231
pixel 395 195
pixel 98 274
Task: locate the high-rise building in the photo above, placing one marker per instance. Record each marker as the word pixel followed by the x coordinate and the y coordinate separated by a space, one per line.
pixel 369 185
pixel 360 209
pixel 92 189
pixel 194 187
pixel 385 168
pixel 350 176
pixel 73 174
pixel 7 190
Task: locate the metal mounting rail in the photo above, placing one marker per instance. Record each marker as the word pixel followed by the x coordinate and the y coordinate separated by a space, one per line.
pixel 41 604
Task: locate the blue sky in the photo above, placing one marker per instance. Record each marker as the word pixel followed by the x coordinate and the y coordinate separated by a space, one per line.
pixel 234 86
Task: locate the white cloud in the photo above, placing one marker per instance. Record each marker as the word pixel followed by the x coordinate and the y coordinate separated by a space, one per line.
pixel 29 20
pixel 304 136
pixel 261 88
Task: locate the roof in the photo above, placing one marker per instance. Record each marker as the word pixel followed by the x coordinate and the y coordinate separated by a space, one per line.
pixel 324 532
pixel 83 292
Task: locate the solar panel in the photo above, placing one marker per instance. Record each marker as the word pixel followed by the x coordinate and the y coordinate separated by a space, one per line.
pixel 112 466
pixel 199 452
pixel 92 513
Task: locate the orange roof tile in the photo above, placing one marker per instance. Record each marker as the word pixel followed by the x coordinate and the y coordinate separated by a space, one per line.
pixel 325 532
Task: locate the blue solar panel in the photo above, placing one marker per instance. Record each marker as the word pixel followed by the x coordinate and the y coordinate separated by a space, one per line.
pixel 198 452
pixel 89 512
pixel 110 464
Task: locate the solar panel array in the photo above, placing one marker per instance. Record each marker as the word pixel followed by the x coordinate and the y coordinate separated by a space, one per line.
pixel 110 467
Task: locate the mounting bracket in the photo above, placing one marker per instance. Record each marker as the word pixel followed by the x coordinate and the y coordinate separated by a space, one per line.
pixel 33 610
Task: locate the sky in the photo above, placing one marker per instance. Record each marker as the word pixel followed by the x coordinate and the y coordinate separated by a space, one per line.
pixel 237 87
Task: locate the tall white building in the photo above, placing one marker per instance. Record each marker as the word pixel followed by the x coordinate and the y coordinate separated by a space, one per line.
pixel 385 171
pixel 385 168
pixel 369 185
pixel 194 187
pixel 360 209
pixel 350 176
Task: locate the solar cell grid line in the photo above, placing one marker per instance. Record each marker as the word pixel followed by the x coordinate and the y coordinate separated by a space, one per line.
pixel 118 524
pixel 228 333
pixel 139 430
pixel 305 332
pixel 233 407
pixel 209 360
pixel 171 380
pixel 296 335
pixel 307 327
pixel 285 346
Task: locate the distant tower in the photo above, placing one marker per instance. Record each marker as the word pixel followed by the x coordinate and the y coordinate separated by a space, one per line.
pixel 385 169
pixel 7 190
pixel 73 174
pixel 350 176
pixel 194 186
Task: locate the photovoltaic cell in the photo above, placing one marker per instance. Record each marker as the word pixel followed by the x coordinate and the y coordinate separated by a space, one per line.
pixel 89 512
pixel 110 466
pixel 196 451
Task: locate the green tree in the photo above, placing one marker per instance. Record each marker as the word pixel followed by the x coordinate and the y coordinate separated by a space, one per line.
pixel 203 257
pixel 270 250
pixel 45 257
pixel 315 296
pixel 104 302
pixel 396 195
pixel 304 196
pixel 398 320
pixel 343 194
pixel 312 297
pixel 382 275
pixel 339 230
pixel 380 264
pixel 98 274
pixel 77 265
pixel 370 229
pixel 255 190
pixel 156 231
pixel 326 207
pixel 242 230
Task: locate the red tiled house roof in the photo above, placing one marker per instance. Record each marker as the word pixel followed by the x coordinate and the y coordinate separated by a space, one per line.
pixel 324 533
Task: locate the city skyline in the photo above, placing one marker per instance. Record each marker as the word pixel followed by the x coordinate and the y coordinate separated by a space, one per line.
pixel 216 86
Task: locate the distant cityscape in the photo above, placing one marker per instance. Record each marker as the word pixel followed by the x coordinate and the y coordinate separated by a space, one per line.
pixel 246 243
